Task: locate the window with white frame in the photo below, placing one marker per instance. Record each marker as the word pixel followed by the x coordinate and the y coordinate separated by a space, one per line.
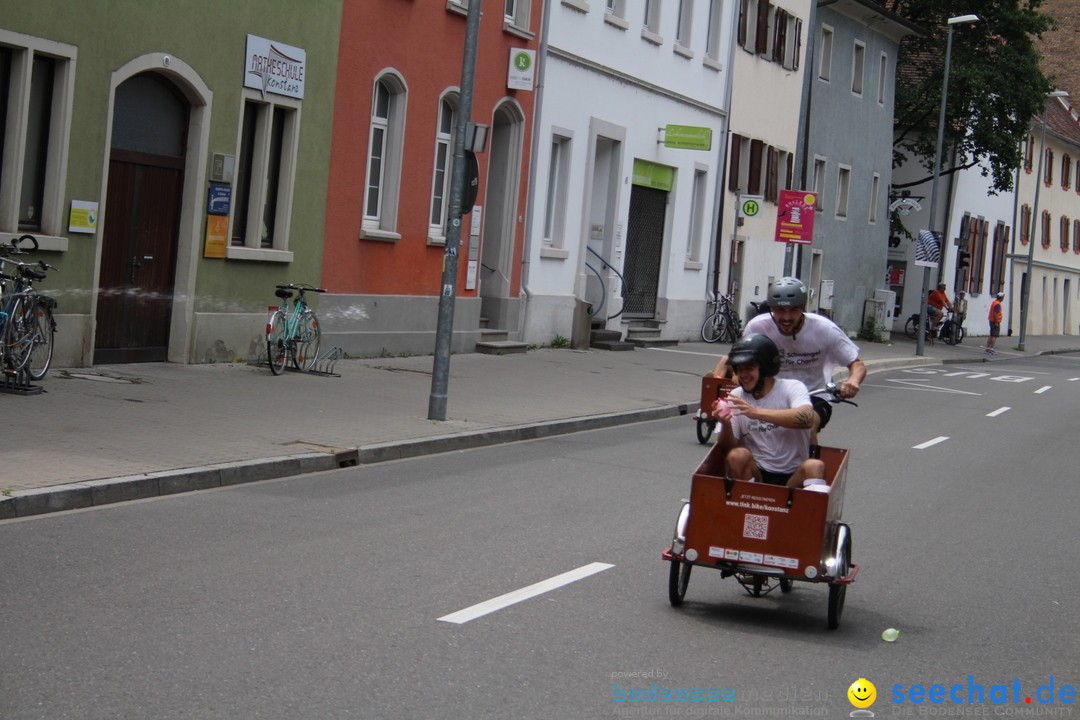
pixel 265 172
pixel 36 89
pixel 882 77
pixel 819 179
pixel 698 201
pixel 858 67
pixel 516 15
pixel 713 33
pixel 440 180
pixel 843 185
pixel 651 21
pixel 787 39
pixel 616 8
pixel 875 193
pixel 383 176
pixel 557 189
pixel 825 65
pixel 685 23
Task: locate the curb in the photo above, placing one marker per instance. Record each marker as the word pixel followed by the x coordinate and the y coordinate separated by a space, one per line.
pixel 94 493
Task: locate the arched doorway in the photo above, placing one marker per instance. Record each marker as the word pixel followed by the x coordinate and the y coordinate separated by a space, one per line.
pixel 142 221
pixel 500 218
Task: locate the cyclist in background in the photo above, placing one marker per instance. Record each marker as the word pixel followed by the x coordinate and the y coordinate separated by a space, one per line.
pixel 936 302
pixel 811 346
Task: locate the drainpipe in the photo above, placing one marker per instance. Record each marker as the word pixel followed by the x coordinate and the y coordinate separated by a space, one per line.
pixel 716 250
pixel 538 104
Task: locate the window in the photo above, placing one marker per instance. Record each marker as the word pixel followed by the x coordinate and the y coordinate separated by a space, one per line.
pixel 36 89
pixel 265 172
pixel 883 74
pixel 615 11
pixel 875 192
pixel 819 179
pixel 1046 229
pixel 713 34
pixel 1077 183
pixel 384 159
pixel 843 182
pixel 858 68
pixel 516 15
pixel 557 188
pixel 1048 172
pixel 442 175
pixel 979 228
pixel 753 182
pixel 1025 224
pixel 761 34
pixel 736 164
pixel 787 39
pixel 685 22
pixel 1064 234
pixel 697 218
pixel 1029 153
pixel 1066 171
pixel 1076 237
pixel 825 65
pixel 651 21
pixel 997 263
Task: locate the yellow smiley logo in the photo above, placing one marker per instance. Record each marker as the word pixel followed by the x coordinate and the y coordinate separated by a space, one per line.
pixel 862 693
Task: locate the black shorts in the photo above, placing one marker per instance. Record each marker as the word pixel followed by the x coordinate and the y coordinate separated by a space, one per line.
pixel 772 478
pixel 823 408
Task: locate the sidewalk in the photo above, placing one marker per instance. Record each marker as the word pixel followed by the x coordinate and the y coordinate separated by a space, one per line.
pixel 122 432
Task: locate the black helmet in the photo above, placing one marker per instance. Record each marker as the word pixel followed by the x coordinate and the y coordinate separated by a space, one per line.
pixel 787 292
pixel 759 348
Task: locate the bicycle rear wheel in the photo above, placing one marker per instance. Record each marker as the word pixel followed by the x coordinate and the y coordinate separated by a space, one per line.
pixel 42 329
pixel 277 346
pixel 714 328
pixel 733 327
pixel 910 325
pixel 308 335
pixel 18 338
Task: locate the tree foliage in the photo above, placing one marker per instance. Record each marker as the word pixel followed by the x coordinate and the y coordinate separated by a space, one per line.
pixel 995 84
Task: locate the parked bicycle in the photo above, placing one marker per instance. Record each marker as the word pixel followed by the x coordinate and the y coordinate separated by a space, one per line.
pixel 292 333
pixel 26 316
pixel 722 323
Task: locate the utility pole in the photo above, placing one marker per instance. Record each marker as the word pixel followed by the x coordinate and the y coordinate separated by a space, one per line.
pixel 440 372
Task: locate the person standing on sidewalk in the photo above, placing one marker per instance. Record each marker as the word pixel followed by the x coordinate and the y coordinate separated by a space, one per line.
pixel 995 324
pixel 811 346
pixel 960 307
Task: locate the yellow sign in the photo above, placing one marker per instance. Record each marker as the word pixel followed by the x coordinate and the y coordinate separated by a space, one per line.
pixel 217 236
pixel 83 218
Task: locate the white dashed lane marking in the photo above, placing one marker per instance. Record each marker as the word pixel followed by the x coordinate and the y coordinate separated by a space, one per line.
pixel 999 411
pixel 1043 389
pixel 931 443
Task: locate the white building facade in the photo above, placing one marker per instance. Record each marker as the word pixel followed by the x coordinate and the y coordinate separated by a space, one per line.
pixel 624 204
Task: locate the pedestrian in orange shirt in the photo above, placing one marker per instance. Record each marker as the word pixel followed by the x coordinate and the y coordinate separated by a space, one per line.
pixel 995 324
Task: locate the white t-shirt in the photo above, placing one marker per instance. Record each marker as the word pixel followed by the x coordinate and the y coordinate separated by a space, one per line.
pixel 814 353
pixel 776 449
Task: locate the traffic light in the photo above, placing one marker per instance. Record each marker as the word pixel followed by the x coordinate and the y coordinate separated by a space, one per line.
pixel 963 259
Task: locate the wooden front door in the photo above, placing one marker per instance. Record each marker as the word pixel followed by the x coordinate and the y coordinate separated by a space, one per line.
pixel 138 257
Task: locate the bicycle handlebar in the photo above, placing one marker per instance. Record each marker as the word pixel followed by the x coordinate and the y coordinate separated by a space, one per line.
pixel 301 287
pixel 832 390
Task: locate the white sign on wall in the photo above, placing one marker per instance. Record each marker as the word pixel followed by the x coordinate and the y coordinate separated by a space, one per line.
pixel 274 67
pixel 522 70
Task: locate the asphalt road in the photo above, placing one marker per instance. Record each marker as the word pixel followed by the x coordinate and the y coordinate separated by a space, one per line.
pixel 328 596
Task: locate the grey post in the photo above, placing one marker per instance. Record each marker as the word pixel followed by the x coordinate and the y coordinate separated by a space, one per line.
pixel 920 333
pixel 1026 297
pixel 440 372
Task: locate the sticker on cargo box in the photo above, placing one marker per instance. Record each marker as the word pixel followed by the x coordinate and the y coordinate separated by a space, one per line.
pixel 784 562
pixel 755 527
pixel 724 553
pixel 755 558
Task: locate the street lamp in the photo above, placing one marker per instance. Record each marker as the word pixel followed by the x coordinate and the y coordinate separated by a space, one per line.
pixel 1025 298
pixel 920 343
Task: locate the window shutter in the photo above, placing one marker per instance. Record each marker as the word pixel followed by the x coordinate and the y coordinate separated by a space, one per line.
pixel 742 30
pixel 761 41
pixel 733 167
pixel 756 149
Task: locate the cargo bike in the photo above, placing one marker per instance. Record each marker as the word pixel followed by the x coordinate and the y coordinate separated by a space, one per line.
pixel 766 536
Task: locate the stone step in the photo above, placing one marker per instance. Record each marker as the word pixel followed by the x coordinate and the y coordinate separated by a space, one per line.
pixel 501 347
pixel 611 345
pixel 608 335
pixel 493 334
pixel 651 342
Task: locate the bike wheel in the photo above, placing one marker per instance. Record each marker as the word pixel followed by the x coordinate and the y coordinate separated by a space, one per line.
pixel 714 328
pixel 18 338
pixel 678 579
pixel 910 325
pixel 41 352
pixel 734 328
pixel 306 350
pixel 705 429
pixel 277 346
pixel 948 333
pixel 960 333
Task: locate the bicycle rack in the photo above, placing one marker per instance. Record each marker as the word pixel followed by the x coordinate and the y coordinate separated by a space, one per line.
pixel 19 384
pixel 324 364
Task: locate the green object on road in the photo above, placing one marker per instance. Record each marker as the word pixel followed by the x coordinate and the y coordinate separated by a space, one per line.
pixel 890 635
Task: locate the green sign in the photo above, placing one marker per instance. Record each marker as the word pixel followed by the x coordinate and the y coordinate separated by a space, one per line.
pixel 750 205
pixel 688 137
pixel 653 175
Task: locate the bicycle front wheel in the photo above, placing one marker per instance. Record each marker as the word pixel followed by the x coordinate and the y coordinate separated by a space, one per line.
pixel 909 327
pixel 18 338
pixel 949 333
pixel 277 345
pixel 714 328
pixel 42 329
pixel 308 336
